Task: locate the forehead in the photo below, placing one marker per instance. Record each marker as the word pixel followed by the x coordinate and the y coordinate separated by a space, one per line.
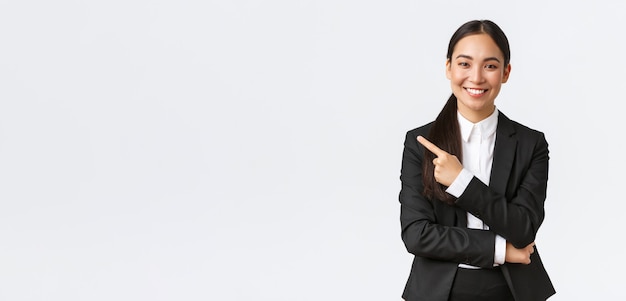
pixel 477 46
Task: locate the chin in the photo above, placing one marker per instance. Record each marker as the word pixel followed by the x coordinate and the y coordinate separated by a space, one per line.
pixel 477 106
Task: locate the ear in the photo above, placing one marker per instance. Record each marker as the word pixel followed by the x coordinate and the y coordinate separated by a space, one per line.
pixel 448 71
pixel 507 72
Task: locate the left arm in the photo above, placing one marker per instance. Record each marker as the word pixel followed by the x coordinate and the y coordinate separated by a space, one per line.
pixel 516 219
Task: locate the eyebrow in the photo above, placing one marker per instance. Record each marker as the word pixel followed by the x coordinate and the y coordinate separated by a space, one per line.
pixel 493 58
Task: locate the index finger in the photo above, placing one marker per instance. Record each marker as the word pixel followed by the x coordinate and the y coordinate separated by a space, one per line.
pixel 431 147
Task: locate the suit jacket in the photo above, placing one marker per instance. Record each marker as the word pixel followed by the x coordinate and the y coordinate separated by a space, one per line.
pixel 512 205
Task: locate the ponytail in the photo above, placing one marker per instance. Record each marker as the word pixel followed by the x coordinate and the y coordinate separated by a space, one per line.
pixel 446 134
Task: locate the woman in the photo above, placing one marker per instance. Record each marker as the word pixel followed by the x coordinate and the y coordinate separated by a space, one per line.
pixel 474 185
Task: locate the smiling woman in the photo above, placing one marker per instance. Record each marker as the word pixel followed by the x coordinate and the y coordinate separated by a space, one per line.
pixel 476 72
pixel 473 191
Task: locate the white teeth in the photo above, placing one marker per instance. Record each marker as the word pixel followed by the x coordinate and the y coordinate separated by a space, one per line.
pixel 475 91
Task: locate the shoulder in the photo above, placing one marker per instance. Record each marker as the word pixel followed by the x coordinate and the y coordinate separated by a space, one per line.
pixel 410 140
pixel 518 128
pixel 420 131
pixel 529 137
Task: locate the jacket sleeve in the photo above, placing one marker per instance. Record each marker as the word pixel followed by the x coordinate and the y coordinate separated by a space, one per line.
pixel 428 227
pixel 517 214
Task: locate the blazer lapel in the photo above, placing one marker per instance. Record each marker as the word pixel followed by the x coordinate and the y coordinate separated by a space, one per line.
pixel 503 154
pixel 461 217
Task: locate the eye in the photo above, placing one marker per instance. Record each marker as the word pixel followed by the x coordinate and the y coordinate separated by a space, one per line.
pixel 464 64
pixel 491 66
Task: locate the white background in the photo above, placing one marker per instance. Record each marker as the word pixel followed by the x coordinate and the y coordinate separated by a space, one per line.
pixel 250 150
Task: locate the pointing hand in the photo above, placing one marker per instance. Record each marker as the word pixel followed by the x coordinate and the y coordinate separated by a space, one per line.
pixel 447 166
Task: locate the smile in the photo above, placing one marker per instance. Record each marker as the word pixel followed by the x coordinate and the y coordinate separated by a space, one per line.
pixel 475 91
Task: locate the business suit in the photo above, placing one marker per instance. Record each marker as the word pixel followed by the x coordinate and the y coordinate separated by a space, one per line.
pixel 512 205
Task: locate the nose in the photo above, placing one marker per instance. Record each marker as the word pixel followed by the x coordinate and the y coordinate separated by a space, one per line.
pixel 476 75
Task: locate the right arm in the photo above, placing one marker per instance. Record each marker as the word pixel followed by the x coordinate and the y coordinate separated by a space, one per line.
pixel 426 232
pixel 450 172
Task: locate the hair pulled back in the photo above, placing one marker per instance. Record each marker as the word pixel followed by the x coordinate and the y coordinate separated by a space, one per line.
pixel 445 131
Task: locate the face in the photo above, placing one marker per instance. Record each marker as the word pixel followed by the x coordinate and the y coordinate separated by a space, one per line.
pixel 476 72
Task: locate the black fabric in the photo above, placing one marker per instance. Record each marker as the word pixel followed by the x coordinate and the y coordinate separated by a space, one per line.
pixel 512 205
pixel 480 285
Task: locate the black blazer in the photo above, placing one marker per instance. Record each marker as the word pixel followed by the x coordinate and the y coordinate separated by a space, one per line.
pixel 512 206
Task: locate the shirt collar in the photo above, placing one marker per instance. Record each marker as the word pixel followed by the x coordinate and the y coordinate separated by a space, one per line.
pixel 486 126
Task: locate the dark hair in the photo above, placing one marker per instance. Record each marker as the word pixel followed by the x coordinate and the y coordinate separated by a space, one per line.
pixel 445 131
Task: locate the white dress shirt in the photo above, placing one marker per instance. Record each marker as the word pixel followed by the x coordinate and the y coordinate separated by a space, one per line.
pixel 478 141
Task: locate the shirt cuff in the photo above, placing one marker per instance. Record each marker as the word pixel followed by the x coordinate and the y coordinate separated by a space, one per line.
pixel 460 183
pixel 500 253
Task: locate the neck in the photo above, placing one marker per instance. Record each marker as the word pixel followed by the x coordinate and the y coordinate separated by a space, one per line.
pixel 477 116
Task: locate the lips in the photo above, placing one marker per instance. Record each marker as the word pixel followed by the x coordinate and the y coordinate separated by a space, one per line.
pixel 475 92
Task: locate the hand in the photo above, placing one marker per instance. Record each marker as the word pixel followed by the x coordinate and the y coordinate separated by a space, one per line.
pixel 514 255
pixel 447 166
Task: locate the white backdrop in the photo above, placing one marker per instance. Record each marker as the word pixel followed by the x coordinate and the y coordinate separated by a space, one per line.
pixel 250 150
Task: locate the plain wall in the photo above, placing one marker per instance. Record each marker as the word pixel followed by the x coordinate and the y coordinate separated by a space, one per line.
pixel 250 150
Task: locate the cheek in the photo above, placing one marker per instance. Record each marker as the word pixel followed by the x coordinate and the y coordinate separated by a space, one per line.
pixel 495 79
pixel 457 76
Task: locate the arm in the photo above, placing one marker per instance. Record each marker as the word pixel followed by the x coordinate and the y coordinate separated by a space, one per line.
pixel 428 227
pixel 517 218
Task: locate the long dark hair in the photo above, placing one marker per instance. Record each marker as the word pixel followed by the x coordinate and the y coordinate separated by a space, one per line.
pixel 445 131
